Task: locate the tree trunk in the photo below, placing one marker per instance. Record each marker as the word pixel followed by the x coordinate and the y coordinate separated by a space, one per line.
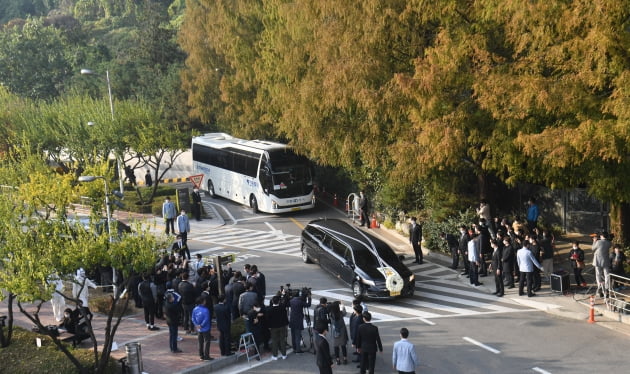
pixel 619 215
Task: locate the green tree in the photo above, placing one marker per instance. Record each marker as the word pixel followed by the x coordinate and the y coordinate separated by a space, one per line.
pixel 33 250
pixel 32 60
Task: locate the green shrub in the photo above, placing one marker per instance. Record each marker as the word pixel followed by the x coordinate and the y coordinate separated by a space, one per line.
pixel 431 229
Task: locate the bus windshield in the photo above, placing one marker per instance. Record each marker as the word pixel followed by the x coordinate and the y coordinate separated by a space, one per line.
pixel 291 174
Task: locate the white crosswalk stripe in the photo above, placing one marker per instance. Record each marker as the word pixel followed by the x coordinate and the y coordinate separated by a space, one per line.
pixel 450 302
pixel 264 241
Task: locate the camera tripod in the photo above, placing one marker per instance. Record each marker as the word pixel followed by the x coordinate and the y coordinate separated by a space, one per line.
pixel 309 329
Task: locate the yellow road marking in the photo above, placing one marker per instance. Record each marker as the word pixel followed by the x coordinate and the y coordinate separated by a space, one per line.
pixel 298 224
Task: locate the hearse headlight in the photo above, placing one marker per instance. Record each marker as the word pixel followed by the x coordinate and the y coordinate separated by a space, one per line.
pixel 412 278
pixel 274 205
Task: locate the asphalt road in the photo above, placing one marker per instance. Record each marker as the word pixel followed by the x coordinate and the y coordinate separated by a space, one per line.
pixel 456 328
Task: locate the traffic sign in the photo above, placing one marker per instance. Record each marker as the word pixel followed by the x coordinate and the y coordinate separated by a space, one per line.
pixel 196 180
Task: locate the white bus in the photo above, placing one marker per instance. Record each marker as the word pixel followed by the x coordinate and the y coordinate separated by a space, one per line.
pixel 266 176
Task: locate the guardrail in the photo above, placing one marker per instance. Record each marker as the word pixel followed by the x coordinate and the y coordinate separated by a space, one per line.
pixel 618 299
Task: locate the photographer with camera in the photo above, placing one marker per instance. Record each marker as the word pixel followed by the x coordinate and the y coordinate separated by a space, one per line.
pixel 297 304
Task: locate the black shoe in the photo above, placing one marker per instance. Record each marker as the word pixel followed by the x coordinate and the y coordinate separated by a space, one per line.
pixel 300 351
pixel 153 328
pixel 500 295
pixel 510 287
pixel 207 358
pixel 521 293
pixel 177 351
pixel 531 295
pixel 495 292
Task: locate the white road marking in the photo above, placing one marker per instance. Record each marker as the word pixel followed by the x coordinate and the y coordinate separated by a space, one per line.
pixel 541 371
pixel 481 345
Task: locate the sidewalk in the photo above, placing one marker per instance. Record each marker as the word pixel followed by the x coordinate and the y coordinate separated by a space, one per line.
pixel 566 305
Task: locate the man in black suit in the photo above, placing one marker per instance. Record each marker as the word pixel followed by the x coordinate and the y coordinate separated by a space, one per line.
pixel 324 359
pixel 415 238
pixel 497 268
pixel 223 313
pixel 363 210
pixel 368 341
pixel 196 204
pixel 463 248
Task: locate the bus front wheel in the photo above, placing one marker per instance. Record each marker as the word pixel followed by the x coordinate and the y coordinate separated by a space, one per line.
pixel 210 189
pixel 253 203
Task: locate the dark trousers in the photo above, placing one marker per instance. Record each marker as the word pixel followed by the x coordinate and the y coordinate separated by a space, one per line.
pixel 170 225
pixel 498 282
pixel 225 342
pixel 187 317
pixel 296 338
pixel 418 251
pixel 508 278
pixel 203 343
pixel 196 211
pixel 172 337
pixel 368 359
pixel 149 311
pixel 579 279
pixel 455 256
pixel 466 263
pixel 473 272
pixel 536 280
pixel 365 220
pixel 344 351
pixel 278 340
pixel 525 277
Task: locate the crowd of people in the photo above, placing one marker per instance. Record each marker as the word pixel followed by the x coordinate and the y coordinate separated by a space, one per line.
pixel 509 251
pixel 519 251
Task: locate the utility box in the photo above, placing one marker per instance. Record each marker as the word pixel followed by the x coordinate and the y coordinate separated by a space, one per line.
pixel 560 281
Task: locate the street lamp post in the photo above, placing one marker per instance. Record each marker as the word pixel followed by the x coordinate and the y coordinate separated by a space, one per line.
pixel 92 178
pixel 111 109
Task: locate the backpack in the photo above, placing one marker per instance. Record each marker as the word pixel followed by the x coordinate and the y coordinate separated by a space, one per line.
pixel 321 315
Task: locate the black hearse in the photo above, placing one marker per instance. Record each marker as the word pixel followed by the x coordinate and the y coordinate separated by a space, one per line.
pixel 359 259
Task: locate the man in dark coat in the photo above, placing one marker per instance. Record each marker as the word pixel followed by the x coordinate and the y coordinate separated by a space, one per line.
pixel 497 268
pixel 187 290
pixel 196 204
pixel 368 342
pixel 463 248
pixel 363 210
pixel 507 257
pixel 171 313
pixel 323 358
pixel 356 319
pixel 223 315
pixel 296 318
pixel 453 246
pixel 415 238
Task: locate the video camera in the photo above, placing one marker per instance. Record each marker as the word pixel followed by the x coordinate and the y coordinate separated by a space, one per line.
pixel 287 291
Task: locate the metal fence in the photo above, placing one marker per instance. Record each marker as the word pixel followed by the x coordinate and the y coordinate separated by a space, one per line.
pixel 618 299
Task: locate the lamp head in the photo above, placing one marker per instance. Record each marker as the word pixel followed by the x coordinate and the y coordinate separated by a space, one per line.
pixel 87 178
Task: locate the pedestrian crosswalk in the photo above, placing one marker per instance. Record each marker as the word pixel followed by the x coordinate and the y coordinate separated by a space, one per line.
pixel 264 241
pixel 434 299
pixel 439 291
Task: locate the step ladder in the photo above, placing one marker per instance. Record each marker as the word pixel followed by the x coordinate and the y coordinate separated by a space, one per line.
pixel 248 343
